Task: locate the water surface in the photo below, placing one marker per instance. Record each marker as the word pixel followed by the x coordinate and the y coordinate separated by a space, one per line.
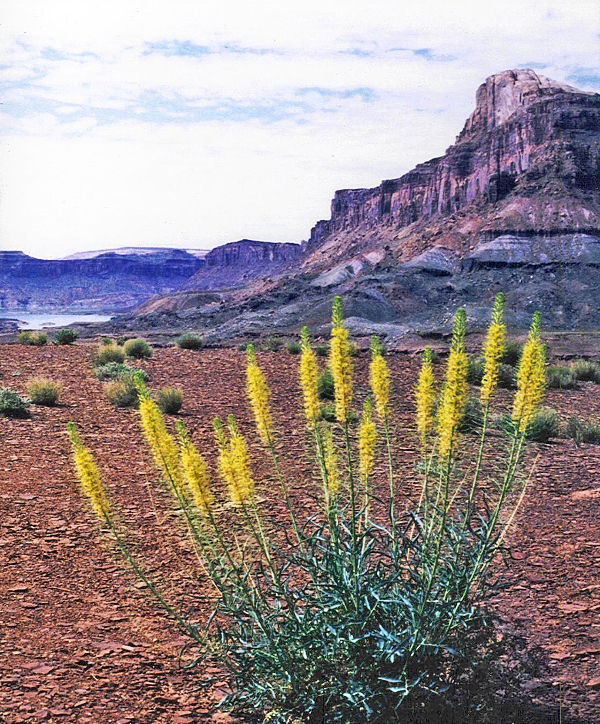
pixel 40 320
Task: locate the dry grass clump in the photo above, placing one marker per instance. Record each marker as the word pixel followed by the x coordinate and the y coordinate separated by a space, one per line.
pixel 137 348
pixel 44 391
pixel 107 353
pixel 170 400
pixel 560 378
pixel 122 392
pixel 33 339
pixel 586 371
pixel 583 431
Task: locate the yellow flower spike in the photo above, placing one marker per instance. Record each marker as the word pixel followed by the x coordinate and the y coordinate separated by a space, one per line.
pixel 493 348
pixel 195 470
pixel 454 394
pixel 258 395
pixel 425 394
pixel 333 482
pixel 340 363
pixel 89 475
pixel 367 438
pixel 309 379
pixel 234 463
pixel 380 379
pixel 531 379
pixel 161 442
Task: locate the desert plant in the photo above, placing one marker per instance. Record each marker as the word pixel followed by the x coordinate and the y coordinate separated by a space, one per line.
pixel 321 350
pixel 107 340
pixel 137 348
pixel 12 404
pixel 512 352
pixel 558 377
pixel 189 340
pixel 116 370
pixel 325 385
pixel 293 347
pixel 120 341
pixel 544 424
pixel 44 391
pixel 363 611
pixel 472 415
pixel 586 371
pixel 107 353
pixel 475 369
pixel 507 377
pixel 272 344
pixel 39 339
pixel 121 392
pixel 583 431
pixel 242 346
pixel 353 349
pixel 170 400
pixel 65 336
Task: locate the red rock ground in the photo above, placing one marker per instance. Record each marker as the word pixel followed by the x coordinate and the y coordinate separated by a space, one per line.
pixel 82 641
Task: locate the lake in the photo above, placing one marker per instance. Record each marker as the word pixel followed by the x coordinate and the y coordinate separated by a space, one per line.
pixel 39 320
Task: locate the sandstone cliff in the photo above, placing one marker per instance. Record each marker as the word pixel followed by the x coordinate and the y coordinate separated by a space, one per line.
pixel 527 161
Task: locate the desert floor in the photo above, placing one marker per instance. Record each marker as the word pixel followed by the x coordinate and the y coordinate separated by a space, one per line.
pixel 82 641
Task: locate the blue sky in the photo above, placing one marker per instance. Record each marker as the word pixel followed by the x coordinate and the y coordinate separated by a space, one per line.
pixel 193 123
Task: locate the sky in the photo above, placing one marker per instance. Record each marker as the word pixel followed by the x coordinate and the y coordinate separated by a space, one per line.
pixel 191 123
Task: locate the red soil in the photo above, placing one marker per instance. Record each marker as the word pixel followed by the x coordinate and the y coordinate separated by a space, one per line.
pixel 82 642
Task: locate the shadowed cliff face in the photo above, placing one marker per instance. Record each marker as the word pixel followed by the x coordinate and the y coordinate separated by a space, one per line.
pixel 527 134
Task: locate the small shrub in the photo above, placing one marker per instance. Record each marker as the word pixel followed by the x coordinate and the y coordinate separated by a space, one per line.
pixel 272 344
pixel 544 425
pixel 121 341
pixel 190 341
pixel 507 377
pixel 327 413
pixel 293 347
pixel 472 417
pixel 43 391
pixel 475 370
pixel 35 340
pixel 12 404
pixel 121 392
pixel 242 346
pixel 583 431
pixel 107 340
pixel 65 336
pixel 512 352
pixel 586 371
pixel 560 378
pixel 137 348
pixel 325 385
pixel 321 350
pixel 169 399
pixel 117 370
pixel 107 353
pixel 353 350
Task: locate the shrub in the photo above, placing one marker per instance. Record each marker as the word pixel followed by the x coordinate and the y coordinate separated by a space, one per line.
pixel 169 399
pixel 293 347
pixel 121 392
pixel 107 340
pixel 475 370
pixel 272 344
pixel 137 348
pixel 107 353
pixel 544 425
pixel 472 416
pixel 322 350
pixel 242 346
pixel 325 387
pixel 121 341
pixel 507 377
pixel 365 611
pixel 116 370
pixel 512 352
pixel 190 341
pixel 327 412
pixel 583 431
pixel 354 351
pixel 43 391
pixel 35 340
pixel 12 404
pixel 586 371
pixel 65 336
pixel 560 378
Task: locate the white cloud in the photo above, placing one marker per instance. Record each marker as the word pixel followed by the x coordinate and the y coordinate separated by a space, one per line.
pixel 110 144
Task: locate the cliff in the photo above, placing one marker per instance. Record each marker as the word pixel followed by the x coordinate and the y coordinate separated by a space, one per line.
pixel 527 161
pixel 239 262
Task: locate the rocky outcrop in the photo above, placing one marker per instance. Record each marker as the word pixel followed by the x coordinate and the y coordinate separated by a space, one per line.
pixel 526 132
pixel 108 281
pixel 235 264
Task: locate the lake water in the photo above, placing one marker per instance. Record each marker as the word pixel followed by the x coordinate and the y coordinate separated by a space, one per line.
pixel 39 320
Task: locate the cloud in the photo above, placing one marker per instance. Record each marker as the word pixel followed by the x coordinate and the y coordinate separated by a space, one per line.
pixel 199 123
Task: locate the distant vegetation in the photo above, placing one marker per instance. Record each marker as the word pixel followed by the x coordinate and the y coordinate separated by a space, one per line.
pixel 32 339
pixel 107 353
pixel 137 348
pixel 65 336
pixel 190 341
pixel 586 371
pixel 115 370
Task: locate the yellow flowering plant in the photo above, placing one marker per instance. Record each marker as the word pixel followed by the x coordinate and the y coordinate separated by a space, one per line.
pixel 371 607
